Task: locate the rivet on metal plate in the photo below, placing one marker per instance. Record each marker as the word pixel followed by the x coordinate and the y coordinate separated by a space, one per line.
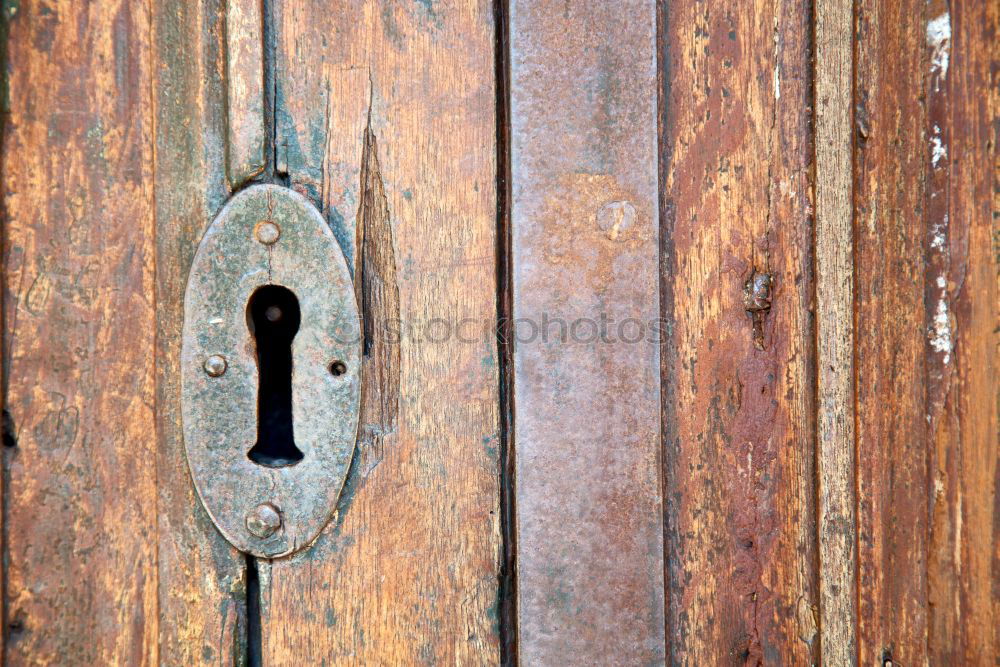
pixel 280 322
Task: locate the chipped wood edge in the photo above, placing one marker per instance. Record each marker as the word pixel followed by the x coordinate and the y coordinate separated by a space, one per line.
pixel 835 333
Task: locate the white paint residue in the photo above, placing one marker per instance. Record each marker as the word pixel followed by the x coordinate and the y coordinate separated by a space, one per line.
pixel 777 85
pixel 941 282
pixel 939 39
pixel 941 337
pixel 938 238
pixel 938 149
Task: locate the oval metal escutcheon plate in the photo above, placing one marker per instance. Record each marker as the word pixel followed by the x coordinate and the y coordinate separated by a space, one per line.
pixel 270 371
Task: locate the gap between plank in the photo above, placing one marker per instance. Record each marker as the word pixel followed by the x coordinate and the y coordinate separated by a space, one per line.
pixel 254 633
pixel 254 648
pixel 507 574
pixel 666 262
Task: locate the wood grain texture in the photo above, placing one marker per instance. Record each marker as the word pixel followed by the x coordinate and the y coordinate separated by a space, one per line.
pixel 244 58
pixel 890 340
pixel 586 392
pixel 202 594
pixel 926 327
pixel 828 470
pixel 738 376
pixel 385 119
pixel 80 505
pixel 837 520
pixel 961 237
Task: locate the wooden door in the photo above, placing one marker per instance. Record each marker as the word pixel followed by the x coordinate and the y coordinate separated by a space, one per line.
pixel 680 328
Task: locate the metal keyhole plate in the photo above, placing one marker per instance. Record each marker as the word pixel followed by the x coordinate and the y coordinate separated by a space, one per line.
pixel 269 235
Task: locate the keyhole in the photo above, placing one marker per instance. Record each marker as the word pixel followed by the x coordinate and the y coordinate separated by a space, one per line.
pixel 273 318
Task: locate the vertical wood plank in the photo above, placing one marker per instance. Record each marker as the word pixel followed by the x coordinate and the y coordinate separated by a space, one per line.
pixel 738 370
pixel 926 327
pixel 835 333
pixel 202 595
pixel 244 58
pixel 583 139
pixel 890 340
pixel 78 272
pixel 385 118
pixel 962 240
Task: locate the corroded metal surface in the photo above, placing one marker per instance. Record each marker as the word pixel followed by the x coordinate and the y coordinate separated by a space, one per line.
pixel 586 358
pixel 220 409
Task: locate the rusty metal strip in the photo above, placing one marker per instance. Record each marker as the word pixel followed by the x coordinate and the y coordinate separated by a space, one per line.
pixel 245 90
pixel 583 128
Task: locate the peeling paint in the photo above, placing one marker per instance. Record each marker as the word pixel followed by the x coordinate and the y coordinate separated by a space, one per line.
pixel 939 39
pixel 938 238
pixel 941 336
pixel 938 148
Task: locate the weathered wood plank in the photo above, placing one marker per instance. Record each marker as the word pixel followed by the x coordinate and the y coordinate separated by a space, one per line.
pixel 890 342
pixel 202 598
pixel 583 141
pixel 385 118
pixel 836 473
pixel 80 504
pixel 961 233
pixel 244 58
pixel 738 371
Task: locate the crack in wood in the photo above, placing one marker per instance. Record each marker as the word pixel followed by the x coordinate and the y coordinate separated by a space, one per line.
pixel 377 292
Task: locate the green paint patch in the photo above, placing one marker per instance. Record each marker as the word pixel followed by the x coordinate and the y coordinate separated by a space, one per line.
pixel 493 613
pixel 431 11
pixel 490 446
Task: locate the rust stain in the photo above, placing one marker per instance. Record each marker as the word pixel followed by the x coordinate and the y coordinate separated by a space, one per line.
pixel 757 299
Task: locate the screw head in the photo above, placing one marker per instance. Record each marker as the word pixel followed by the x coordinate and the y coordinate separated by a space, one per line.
pixel 267 232
pixel 215 365
pixel 263 520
